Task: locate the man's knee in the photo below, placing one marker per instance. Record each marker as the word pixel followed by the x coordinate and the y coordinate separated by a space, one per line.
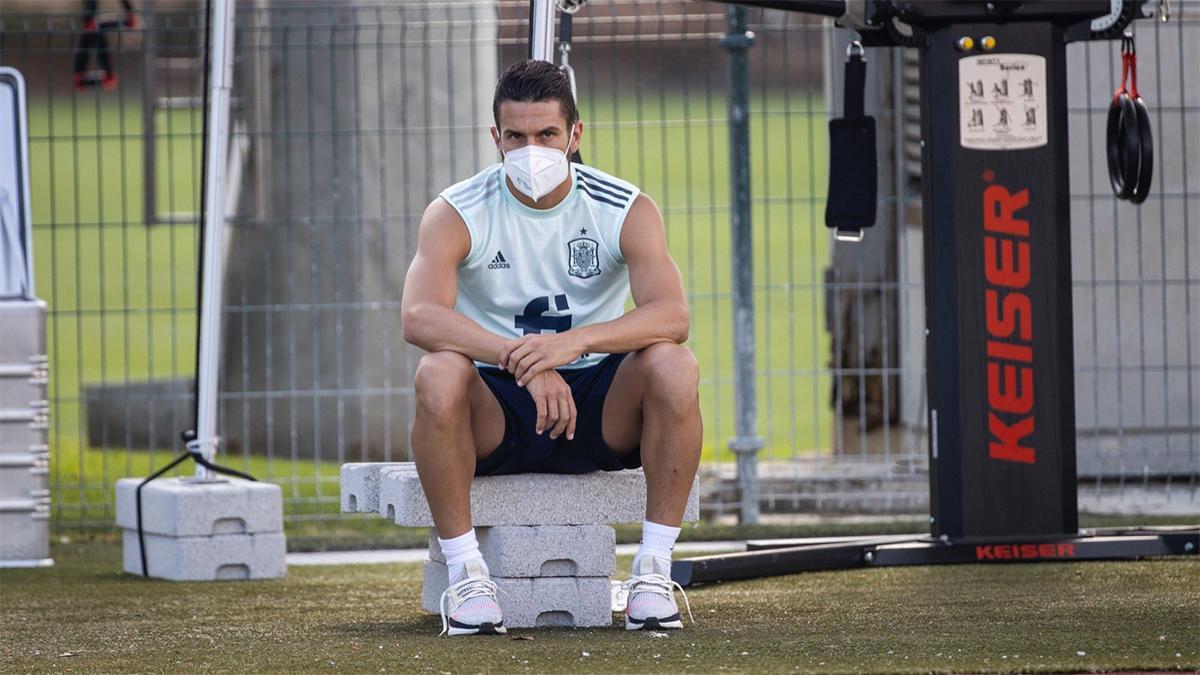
pixel 672 375
pixel 442 382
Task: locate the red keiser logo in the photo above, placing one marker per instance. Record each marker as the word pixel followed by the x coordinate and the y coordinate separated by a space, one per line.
pixel 1024 551
pixel 1009 324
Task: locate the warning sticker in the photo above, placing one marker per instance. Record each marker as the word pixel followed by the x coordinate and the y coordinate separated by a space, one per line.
pixel 1002 101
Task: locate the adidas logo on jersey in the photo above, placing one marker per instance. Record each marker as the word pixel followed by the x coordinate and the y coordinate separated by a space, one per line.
pixel 499 263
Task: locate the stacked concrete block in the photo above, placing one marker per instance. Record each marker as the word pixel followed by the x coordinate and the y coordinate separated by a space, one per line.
pixel 546 537
pixel 24 421
pixel 203 530
pixel 533 602
pixel 543 551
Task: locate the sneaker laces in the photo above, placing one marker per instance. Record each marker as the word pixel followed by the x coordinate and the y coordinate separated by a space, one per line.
pixel 658 584
pixel 470 587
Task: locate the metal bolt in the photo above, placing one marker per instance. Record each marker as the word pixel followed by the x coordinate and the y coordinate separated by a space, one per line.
pixel 1189 547
pixel 869 556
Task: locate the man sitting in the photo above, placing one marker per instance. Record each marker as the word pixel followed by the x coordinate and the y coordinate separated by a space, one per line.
pixel 517 292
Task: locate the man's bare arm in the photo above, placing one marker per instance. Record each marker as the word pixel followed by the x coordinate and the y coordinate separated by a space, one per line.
pixel 661 314
pixel 431 287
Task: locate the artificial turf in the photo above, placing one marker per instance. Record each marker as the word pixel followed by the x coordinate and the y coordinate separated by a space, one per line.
pixel 85 615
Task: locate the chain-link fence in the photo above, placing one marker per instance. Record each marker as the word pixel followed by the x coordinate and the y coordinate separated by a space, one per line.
pixel 350 116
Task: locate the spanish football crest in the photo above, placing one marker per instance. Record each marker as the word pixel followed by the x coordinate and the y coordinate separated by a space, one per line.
pixel 582 258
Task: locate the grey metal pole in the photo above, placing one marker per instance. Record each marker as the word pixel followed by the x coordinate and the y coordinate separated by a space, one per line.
pixel 219 83
pixel 541 30
pixel 746 444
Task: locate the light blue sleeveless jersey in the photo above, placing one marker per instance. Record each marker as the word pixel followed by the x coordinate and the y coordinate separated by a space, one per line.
pixel 541 271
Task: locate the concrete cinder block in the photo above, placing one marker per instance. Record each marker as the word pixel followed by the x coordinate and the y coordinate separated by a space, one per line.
pixel 360 485
pixel 211 558
pixel 531 603
pixel 184 507
pixel 603 497
pixel 543 550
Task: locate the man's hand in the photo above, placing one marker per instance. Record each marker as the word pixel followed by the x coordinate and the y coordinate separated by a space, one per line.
pixel 555 405
pixel 536 353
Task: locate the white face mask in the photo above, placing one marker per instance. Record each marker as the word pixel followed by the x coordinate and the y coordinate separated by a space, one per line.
pixel 536 170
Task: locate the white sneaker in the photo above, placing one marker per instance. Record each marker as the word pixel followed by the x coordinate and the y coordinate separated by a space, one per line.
pixel 469 605
pixel 652 603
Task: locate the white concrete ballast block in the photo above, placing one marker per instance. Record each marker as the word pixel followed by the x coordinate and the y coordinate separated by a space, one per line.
pixel 216 558
pixel 184 507
pixel 543 551
pixel 204 530
pixel 528 603
pixel 600 498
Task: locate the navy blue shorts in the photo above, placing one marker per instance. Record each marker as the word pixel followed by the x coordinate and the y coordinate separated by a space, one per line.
pixel 524 451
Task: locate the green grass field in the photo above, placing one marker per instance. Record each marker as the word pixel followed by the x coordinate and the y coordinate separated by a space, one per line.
pixel 84 615
pixel 122 295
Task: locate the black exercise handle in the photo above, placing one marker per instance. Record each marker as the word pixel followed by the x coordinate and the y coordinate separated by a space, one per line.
pixel 1145 152
pixel 1123 145
pixel 1129 139
pixel 853 172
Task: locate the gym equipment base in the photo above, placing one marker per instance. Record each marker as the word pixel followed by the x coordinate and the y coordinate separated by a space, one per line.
pixel 789 556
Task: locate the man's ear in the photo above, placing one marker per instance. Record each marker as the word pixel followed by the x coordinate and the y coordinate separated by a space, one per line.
pixel 496 139
pixel 577 135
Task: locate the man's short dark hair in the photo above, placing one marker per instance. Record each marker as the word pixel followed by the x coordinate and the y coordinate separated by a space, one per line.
pixel 531 81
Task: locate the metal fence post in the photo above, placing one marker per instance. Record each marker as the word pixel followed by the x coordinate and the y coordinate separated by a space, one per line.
pixel 746 444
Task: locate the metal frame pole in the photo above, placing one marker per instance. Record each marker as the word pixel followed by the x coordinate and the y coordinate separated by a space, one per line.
pixel 746 444
pixel 541 30
pixel 217 134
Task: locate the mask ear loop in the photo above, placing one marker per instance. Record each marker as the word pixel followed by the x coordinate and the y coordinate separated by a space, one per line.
pixel 572 156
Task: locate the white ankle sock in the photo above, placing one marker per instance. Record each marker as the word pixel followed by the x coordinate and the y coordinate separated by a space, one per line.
pixel 458 552
pixel 657 541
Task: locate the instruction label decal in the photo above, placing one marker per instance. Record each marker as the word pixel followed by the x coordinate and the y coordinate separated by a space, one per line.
pixel 1002 101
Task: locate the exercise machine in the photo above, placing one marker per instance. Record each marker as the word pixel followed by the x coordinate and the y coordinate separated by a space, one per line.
pixel 993 81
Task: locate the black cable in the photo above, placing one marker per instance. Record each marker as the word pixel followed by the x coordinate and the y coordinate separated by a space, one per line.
pixel 138 502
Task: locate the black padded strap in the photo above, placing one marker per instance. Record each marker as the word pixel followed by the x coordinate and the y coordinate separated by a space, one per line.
pixel 853 188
